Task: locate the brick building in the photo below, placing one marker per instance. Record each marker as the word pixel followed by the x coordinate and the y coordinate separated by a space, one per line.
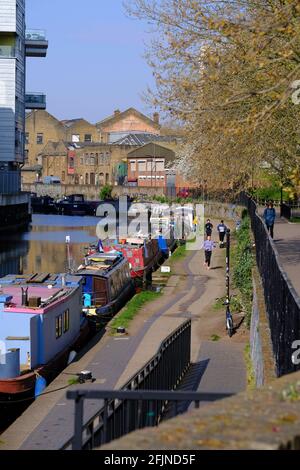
pixel 82 163
pixel 131 121
pixel 43 128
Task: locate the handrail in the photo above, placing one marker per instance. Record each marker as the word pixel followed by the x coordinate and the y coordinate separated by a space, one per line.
pixel 163 371
pixel 282 300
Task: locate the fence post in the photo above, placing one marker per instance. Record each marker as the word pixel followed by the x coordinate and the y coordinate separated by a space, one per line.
pixel 77 441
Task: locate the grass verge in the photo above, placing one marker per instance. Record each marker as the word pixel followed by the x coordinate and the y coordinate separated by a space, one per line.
pixel 243 262
pixel 128 313
pixel 251 384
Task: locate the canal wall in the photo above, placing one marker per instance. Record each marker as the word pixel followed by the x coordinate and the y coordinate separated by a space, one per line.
pixel 91 193
pixel 15 211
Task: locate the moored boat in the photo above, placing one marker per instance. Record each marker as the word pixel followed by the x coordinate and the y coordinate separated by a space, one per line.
pixel 143 255
pixel 41 322
pixel 107 284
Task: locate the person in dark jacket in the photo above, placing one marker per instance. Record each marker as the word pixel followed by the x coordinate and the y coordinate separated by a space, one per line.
pixel 208 228
pixel 269 217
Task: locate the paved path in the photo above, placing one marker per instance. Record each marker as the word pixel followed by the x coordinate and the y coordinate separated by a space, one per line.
pixel 287 241
pixel 192 290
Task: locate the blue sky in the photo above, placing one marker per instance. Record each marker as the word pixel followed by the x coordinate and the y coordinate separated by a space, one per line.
pixel 95 59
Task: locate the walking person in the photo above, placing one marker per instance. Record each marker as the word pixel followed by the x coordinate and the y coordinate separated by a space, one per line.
pixel 208 246
pixel 222 231
pixel 208 228
pixel 269 218
pixel 195 223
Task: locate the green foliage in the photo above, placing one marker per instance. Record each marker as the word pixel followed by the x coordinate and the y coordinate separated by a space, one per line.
pixel 215 337
pixel 105 192
pixel 251 384
pixel 132 308
pixel 242 266
pixel 73 381
pixel 292 392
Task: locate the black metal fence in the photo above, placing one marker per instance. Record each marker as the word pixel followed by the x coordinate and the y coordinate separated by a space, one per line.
pixel 125 411
pixel 282 301
pixel 288 211
pixel 118 417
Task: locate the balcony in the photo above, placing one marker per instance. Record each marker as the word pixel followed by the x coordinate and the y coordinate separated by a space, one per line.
pixel 7 51
pixel 36 43
pixel 35 101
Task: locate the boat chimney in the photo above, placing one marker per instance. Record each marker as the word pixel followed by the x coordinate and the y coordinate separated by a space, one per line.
pixel 63 280
pixel 24 296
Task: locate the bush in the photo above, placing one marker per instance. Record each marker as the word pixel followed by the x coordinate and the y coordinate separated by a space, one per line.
pixel 105 192
pixel 243 263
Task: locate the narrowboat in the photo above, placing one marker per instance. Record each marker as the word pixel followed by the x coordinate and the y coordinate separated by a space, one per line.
pixel 143 255
pixel 107 284
pixel 41 323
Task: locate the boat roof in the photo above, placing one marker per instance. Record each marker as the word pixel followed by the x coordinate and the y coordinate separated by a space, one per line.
pixel 11 298
pixel 40 279
pixel 128 242
pixel 100 264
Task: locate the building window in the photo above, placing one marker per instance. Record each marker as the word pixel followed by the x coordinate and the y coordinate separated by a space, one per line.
pixel 75 138
pixel 106 178
pixel 133 165
pixel 92 179
pixel 27 138
pixel 142 165
pixel 150 165
pixel 88 138
pixel 81 160
pixel 58 326
pixel 63 176
pixel 40 139
pixel 66 321
pixel 86 178
pixel 160 165
pixel 92 159
pixel 101 179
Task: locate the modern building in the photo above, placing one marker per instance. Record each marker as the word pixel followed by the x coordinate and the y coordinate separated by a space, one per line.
pixel 16 43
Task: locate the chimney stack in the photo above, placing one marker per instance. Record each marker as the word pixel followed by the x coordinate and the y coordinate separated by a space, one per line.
pixel 156 118
pixel 117 112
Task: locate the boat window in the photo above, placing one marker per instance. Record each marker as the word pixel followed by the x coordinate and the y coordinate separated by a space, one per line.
pixel 66 320
pixel 58 326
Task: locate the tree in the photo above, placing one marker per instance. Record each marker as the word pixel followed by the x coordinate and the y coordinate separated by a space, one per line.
pixel 226 70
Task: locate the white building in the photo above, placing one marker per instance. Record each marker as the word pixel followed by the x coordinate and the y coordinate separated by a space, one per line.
pixel 16 43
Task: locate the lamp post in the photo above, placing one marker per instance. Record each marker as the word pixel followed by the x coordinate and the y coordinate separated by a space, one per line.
pixel 228 264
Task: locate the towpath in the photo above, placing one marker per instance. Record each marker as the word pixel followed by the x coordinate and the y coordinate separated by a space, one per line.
pixel 218 366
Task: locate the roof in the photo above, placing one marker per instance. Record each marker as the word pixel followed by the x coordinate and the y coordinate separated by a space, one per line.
pixel 119 116
pixel 100 263
pixel 139 139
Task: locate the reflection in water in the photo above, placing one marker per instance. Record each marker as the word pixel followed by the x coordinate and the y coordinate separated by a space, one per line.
pixel 43 248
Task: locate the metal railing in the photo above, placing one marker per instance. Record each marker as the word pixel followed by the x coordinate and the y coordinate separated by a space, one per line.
pixel 35 35
pixel 288 211
pixel 125 411
pixel 282 301
pixel 163 372
pixel 35 98
pixel 10 182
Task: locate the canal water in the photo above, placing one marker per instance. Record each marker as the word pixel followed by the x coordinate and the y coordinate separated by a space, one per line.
pixel 43 247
